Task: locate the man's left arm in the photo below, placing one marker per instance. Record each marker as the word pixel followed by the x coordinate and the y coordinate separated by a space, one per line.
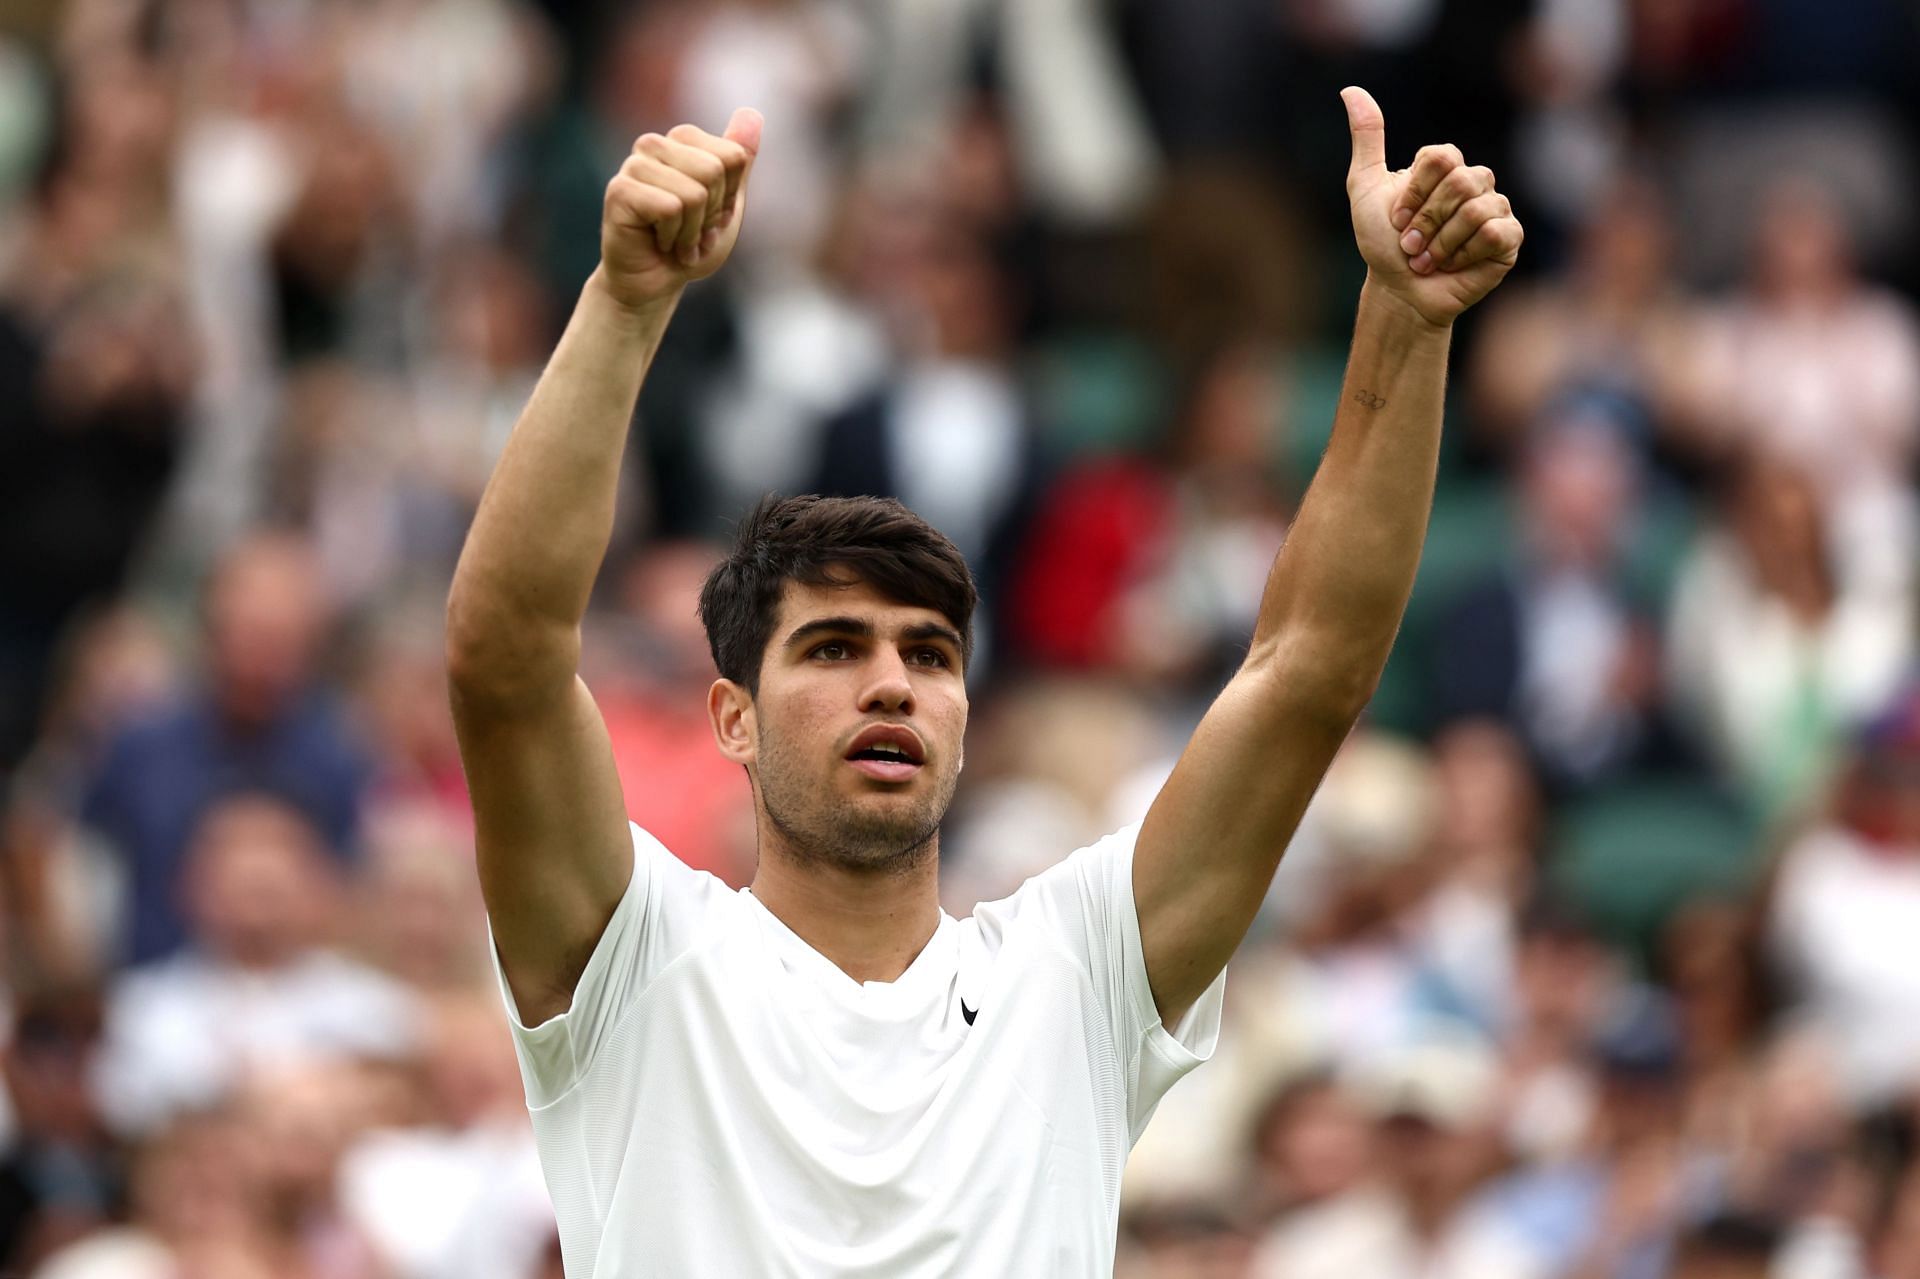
pixel 1436 238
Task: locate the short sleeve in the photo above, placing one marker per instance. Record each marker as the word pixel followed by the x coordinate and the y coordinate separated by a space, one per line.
pixel 1088 900
pixel 657 918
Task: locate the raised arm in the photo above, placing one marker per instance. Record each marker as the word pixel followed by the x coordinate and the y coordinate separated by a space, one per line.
pixel 550 823
pixel 1436 238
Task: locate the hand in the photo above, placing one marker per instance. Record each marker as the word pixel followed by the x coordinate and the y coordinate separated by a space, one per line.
pixel 1438 237
pixel 674 210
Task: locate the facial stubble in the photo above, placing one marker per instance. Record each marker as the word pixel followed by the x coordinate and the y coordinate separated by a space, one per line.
pixel 817 825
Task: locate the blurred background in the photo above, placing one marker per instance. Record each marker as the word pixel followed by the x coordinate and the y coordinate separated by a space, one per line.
pixel 1593 959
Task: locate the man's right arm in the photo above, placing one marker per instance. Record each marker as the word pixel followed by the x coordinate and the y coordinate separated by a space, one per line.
pixel 550 823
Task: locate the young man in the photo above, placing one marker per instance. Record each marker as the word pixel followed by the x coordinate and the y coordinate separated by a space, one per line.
pixel 823 1074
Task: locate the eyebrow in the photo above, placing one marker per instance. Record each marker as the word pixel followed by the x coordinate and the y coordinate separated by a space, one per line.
pixel 860 628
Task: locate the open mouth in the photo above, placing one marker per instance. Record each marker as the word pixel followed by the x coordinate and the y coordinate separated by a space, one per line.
pixel 887 753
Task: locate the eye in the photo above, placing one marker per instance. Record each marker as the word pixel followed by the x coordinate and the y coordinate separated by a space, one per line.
pixel 832 650
pixel 930 657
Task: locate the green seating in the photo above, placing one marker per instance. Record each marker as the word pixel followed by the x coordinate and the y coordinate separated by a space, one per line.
pixel 1629 856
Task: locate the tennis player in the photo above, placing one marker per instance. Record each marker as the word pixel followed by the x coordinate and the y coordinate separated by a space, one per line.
pixel 824 1074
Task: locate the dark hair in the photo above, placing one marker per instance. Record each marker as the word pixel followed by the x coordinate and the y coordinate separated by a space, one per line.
pixel 827 541
pixel 1730 1237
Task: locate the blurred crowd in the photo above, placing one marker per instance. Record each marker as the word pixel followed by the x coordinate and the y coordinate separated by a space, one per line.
pixel 1589 960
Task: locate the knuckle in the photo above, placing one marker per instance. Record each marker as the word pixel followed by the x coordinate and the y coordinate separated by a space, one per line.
pixel 650 144
pixel 1452 154
pixel 685 133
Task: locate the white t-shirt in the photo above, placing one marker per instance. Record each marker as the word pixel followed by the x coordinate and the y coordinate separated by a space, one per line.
pixel 184 1032
pixel 721 1099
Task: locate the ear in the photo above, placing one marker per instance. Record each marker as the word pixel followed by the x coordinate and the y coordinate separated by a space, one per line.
pixel 730 710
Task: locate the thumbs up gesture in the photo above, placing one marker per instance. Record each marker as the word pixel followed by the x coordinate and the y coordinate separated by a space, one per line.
pixel 673 211
pixel 1437 235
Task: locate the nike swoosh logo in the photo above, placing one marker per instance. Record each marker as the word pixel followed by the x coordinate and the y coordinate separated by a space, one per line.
pixel 968 1013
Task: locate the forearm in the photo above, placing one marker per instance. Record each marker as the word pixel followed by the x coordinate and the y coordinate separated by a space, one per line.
pixel 541 531
pixel 1336 593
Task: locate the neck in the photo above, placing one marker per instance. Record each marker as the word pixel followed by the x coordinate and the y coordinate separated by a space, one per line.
pixel 871 924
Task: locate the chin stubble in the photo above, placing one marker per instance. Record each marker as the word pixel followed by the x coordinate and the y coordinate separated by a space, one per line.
pixel 823 833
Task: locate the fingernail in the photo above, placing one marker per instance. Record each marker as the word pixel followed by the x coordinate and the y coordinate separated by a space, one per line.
pixel 1401 217
pixel 1422 264
pixel 1412 241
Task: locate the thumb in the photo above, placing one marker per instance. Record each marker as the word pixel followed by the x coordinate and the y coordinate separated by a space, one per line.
pixel 744 128
pixel 1369 132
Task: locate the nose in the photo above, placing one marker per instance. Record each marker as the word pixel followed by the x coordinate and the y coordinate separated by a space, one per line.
pixel 888 688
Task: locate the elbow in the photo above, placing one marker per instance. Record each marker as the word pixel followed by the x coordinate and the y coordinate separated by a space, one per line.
pixel 494 656
pixel 474 660
pixel 1331 684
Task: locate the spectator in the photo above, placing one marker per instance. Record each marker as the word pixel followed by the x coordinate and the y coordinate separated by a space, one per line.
pixel 950 433
pixel 457 1194
pixel 60 1176
pixel 297 264
pixel 1814 364
pixel 258 720
pixel 1845 895
pixel 1434 1108
pixel 1614 325
pixel 1556 643
pixel 258 989
pixel 1779 638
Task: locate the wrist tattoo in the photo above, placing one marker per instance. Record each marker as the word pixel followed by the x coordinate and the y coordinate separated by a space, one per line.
pixel 1369 399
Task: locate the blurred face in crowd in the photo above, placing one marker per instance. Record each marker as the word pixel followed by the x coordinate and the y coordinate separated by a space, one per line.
pixel 1562 978
pixel 844 664
pixel 493 310
pixel 661 593
pixel 263 620
pixel 260 887
pixel 1577 486
pixel 419 905
pixel 471 1072
pixel 1627 246
pixel 1315 1143
pixel 120 118
pixel 960 293
pixel 298 1124
pixel 1802 247
pixel 1435 1160
pixel 1488 808
pixel 48 1069
pixel 1230 422
pixel 196 1180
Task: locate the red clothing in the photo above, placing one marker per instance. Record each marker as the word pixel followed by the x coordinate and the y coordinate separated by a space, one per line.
pixel 678 786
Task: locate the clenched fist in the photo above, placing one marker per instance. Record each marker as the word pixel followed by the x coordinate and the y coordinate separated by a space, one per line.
pixel 1438 236
pixel 674 210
